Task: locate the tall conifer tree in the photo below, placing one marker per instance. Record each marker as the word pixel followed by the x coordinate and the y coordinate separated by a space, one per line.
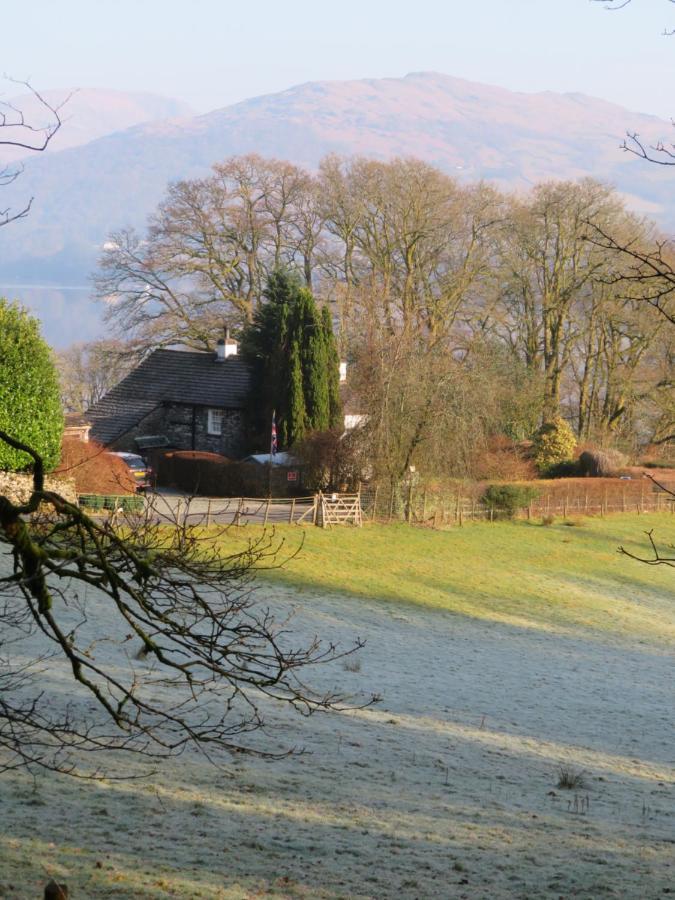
pixel 296 368
pixel 332 370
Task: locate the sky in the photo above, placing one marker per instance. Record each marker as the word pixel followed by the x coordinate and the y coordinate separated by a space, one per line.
pixel 211 53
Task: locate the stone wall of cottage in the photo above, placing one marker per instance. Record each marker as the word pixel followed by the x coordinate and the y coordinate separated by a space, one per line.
pixel 174 421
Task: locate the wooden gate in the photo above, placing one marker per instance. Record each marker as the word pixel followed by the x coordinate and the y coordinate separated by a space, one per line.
pixel 339 509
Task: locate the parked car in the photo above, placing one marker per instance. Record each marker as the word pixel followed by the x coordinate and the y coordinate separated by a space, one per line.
pixel 141 471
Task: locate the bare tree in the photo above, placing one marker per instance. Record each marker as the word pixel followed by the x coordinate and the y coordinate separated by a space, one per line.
pixel 87 371
pixel 209 248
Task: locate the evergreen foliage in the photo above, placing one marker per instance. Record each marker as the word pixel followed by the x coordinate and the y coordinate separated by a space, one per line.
pixel 30 405
pixel 296 368
pixel 509 498
pixel 554 443
pixel 332 370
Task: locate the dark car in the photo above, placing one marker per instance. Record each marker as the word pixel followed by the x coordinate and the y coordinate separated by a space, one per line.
pixel 138 467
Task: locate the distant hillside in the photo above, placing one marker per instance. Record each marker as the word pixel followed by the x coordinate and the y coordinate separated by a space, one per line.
pixel 470 130
pixel 91 113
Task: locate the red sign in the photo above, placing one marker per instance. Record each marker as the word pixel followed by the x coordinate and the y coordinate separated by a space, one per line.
pixel 291 476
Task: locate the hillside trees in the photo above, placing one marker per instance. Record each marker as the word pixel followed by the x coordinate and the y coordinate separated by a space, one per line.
pixel 402 247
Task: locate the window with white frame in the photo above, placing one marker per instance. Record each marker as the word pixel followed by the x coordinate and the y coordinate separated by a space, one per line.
pixel 215 421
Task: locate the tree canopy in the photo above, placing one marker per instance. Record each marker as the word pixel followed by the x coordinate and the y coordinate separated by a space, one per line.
pixel 30 405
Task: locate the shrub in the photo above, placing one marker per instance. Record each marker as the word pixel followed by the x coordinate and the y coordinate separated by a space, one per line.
pixel 570 780
pixel 30 405
pixel 503 460
pixel 509 498
pixel 569 468
pixel 332 460
pixel 93 470
pixel 554 443
pixel 601 463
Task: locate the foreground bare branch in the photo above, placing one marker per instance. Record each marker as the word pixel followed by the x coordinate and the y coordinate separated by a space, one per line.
pixel 209 658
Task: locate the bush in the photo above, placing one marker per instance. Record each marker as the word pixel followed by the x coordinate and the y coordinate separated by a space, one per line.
pixel 509 498
pixel 212 475
pixel 194 471
pixel 30 405
pixel 503 460
pixel 569 468
pixel 94 470
pixel 601 463
pixel 332 460
pixel 554 443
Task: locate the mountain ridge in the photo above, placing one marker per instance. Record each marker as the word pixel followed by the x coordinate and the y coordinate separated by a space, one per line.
pixel 469 129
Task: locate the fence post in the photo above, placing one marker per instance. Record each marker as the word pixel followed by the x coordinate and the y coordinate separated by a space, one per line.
pixel 374 512
pixel 237 515
pixel 315 511
pixel 424 505
pixel 391 504
pixel 457 508
pixel 208 513
pixel 409 511
pixel 292 513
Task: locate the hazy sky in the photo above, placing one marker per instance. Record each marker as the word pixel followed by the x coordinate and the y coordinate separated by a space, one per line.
pixel 214 52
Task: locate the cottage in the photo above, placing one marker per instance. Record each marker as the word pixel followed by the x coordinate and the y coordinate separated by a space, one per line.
pixel 186 400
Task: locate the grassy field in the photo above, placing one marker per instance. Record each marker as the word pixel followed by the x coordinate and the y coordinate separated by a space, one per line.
pixel 560 577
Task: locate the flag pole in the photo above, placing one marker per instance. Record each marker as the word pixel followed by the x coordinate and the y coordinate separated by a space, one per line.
pixel 273 450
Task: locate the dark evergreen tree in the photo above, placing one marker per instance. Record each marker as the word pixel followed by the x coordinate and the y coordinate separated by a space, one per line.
pixel 332 370
pixel 296 421
pixel 314 365
pixel 296 370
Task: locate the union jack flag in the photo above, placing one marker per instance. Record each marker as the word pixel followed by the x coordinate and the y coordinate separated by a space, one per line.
pixel 274 446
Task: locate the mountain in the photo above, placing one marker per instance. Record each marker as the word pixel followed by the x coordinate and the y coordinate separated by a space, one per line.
pixel 470 130
pixel 88 114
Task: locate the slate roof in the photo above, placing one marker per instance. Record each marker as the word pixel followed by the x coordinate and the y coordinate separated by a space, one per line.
pixel 170 376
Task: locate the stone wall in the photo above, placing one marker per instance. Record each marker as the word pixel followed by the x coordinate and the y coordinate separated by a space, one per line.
pixel 175 421
pixel 17 486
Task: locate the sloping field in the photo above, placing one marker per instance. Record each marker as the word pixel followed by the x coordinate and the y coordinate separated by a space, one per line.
pixel 494 675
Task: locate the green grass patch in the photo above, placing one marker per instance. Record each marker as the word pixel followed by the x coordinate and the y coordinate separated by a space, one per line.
pixel 557 578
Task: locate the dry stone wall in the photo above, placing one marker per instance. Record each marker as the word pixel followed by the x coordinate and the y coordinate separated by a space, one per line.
pixel 17 486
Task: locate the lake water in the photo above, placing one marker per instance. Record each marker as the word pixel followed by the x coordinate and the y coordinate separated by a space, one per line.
pixel 68 313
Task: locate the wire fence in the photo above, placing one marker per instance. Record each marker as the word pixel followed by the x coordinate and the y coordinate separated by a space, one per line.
pixel 439 508
pixel 428 506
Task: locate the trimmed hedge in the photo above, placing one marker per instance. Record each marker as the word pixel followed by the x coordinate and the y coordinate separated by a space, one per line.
pixel 211 475
pixel 127 502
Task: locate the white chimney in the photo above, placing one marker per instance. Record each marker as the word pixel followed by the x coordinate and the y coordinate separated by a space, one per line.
pixel 343 372
pixel 225 347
